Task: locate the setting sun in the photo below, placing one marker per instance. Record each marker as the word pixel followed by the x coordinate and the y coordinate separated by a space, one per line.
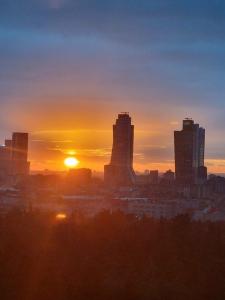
pixel 71 162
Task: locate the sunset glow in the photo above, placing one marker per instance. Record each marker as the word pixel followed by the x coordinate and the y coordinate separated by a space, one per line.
pixel 112 149
pixel 71 152
pixel 71 162
pixel 77 90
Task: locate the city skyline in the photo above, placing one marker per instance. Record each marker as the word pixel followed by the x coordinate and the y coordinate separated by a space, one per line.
pixel 112 149
pixel 68 67
pixel 105 155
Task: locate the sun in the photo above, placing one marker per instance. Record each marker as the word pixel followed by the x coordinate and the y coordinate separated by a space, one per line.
pixel 71 162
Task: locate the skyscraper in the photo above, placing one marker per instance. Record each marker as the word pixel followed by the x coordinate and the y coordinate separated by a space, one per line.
pixel 20 165
pixel 189 153
pixel 5 160
pixel 120 170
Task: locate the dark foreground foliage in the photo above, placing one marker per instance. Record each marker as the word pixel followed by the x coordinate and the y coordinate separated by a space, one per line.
pixel 110 257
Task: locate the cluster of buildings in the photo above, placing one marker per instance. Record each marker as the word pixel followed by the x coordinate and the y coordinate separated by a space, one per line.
pixel 189 157
pixel 188 190
pixel 189 145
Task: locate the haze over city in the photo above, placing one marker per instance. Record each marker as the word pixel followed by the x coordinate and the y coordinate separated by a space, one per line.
pixel 69 67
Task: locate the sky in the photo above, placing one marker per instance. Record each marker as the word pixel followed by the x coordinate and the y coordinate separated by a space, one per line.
pixel 68 67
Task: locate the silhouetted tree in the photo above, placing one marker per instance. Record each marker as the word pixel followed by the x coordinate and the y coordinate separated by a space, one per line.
pixel 111 256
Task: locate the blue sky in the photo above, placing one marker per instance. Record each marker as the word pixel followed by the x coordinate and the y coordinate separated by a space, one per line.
pixel 74 64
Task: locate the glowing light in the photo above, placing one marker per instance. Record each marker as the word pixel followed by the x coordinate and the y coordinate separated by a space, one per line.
pixel 61 216
pixel 71 162
pixel 71 152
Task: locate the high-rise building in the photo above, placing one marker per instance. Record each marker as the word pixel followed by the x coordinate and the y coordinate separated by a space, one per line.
pixel 189 153
pixel 5 160
pixel 154 176
pixel 120 170
pixel 20 164
pixel 168 177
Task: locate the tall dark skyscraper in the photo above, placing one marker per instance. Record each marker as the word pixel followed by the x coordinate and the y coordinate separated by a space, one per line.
pixel 120 170
pixel 20 165
pixel 189 153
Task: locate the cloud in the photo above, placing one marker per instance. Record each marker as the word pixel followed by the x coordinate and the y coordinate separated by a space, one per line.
pixel 132 19
pixel 57 4
pixel 75 64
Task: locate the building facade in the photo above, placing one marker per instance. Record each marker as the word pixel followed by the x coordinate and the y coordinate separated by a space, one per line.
pixel 5 160
pixel 120 170
pixel 189 146
pixel 20 164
